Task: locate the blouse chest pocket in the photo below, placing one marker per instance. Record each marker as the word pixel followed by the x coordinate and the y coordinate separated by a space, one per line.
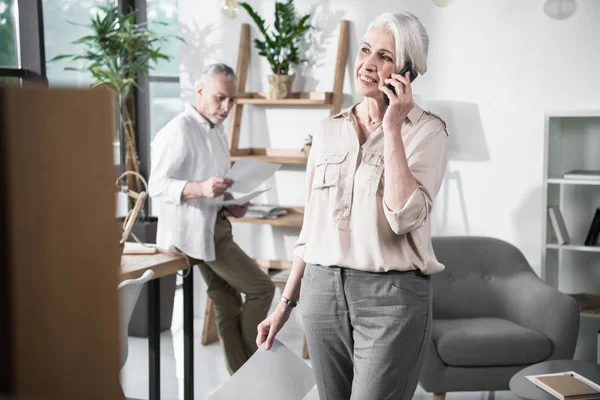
pixel 328 168
pixel 373 165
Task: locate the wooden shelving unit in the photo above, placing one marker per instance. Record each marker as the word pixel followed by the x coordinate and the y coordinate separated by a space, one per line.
pixel 294 99
pixel 274 264
pixel 332 99
pixel 279 156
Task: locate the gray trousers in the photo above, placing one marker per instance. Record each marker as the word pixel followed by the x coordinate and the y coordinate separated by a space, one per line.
pixel 367 333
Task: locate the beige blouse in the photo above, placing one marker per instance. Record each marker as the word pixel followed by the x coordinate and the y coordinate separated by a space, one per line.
pixel 346 221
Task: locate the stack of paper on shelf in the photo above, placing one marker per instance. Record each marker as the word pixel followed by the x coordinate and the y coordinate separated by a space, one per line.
pixel 265 211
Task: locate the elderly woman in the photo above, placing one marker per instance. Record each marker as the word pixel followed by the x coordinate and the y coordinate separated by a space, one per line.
pixel 364 255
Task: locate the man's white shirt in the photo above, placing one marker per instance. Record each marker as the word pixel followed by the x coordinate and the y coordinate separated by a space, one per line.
pixel 187 149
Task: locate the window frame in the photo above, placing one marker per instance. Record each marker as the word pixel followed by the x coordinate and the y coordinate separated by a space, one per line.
pixel 29 44
pixel 142 95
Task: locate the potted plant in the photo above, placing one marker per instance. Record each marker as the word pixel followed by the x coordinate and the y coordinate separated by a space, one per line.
pixel 307 146
pixel 280 45
pixel 116 52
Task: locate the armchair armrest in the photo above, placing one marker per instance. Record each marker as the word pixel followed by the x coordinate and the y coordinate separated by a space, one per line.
pixel 532 303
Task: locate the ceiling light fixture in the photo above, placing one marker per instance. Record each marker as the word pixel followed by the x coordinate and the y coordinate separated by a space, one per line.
pixel 230 8
pixel 560 9
pixel 442 3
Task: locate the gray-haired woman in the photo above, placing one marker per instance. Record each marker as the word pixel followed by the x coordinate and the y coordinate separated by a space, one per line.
pixel 364 254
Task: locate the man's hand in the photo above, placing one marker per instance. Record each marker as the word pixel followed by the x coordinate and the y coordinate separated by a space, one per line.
pixel 213 187
pixel 235 211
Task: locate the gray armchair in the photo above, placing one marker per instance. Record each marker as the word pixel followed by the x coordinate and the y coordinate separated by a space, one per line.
pixel 492 316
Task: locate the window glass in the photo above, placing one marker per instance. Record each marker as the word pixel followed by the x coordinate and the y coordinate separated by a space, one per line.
pixel 165 104
pixel 8 48
pixel 162 19
pixel 64 22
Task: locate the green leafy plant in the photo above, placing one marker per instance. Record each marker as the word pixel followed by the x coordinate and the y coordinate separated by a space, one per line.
pixel 308 140
pixel 116 52
pixel 280 44
pixel 307 145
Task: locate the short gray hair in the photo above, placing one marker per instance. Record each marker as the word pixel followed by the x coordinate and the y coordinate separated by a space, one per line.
pixel 412 41
pixel 217 68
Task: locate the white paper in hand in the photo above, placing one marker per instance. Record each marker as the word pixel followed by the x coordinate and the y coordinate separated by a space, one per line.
pixel 248 173
pixel 277 373
pixel 244 199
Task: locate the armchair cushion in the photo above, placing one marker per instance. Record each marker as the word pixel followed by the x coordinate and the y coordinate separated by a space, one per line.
pixel 478 342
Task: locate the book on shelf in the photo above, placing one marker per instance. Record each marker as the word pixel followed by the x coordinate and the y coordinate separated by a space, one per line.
pixel 592 237
pixel 264 211
pixel 567 385
pixel 587 302
pixel 558 224
pixel 584 174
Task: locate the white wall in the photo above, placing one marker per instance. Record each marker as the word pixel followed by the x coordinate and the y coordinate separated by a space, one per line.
pixel 495 68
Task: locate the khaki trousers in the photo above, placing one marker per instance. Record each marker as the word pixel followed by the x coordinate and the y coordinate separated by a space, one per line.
pixel 233 272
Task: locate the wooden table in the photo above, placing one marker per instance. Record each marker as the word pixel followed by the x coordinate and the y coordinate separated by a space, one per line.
pixel 163 264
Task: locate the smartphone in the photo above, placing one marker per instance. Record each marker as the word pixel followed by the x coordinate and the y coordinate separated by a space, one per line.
pixel 413 76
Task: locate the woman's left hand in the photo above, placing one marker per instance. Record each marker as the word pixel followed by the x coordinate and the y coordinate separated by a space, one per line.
pixel 400 104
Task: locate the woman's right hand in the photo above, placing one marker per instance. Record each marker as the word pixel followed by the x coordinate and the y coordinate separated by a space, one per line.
pixel 272 325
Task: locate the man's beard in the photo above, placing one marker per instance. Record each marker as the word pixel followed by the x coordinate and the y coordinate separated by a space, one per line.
pixel 218 118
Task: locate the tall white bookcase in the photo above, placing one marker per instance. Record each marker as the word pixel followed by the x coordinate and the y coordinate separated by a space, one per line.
pixel 572 141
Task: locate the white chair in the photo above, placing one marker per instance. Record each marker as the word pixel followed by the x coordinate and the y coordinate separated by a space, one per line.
pixel 129 291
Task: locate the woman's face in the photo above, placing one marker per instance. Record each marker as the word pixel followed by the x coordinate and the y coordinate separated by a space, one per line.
pixel 375 62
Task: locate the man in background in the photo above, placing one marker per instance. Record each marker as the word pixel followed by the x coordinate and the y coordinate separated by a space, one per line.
pixel 190 160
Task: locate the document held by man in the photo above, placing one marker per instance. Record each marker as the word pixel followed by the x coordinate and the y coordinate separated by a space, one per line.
pixel 277 373
pixel 244 199
pixel 248 173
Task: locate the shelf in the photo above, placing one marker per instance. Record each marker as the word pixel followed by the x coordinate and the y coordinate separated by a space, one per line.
pixel 279 156
pixel 588 314
pixel 573 247
pixel 561 181
pixel 279 278
pixel 278 270
pixel 294 99
pixel 293 218
pixel 274 264
pixel 573 113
